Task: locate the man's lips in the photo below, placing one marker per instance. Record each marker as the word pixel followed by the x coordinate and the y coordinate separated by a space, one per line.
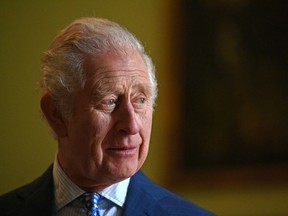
pixel 124 151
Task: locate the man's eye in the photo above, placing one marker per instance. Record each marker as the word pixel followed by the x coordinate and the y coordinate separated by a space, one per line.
pixel 141 100
pixel 107 105
pixel 110 102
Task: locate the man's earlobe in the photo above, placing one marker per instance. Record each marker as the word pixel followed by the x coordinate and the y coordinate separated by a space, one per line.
pixel 53 115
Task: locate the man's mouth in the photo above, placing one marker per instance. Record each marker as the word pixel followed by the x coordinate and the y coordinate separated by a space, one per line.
pixel 123 151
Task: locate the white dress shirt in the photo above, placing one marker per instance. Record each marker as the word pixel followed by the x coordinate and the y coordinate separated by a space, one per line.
pixel 68 199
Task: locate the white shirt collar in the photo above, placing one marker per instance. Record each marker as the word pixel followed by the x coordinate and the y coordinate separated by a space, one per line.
pixel 116 192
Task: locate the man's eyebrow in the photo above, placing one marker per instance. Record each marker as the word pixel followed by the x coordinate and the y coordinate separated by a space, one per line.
pixel 101 89
pixel 145 88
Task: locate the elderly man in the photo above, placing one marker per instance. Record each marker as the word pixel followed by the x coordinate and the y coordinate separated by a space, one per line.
pixel 99 89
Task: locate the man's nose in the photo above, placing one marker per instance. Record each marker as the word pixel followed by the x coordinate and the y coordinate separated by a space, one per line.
pixel 127 120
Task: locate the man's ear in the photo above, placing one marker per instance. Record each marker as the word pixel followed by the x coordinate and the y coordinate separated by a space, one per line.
pixel 53 115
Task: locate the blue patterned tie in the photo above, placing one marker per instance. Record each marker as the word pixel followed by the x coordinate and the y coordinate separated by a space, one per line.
pixel 91 199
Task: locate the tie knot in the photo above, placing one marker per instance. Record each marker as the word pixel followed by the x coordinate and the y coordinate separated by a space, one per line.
pixel 90 200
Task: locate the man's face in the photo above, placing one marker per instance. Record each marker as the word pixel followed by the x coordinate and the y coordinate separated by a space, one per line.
pixel 109 131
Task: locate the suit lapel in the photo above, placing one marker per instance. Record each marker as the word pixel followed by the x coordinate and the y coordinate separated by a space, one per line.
pixel 138 202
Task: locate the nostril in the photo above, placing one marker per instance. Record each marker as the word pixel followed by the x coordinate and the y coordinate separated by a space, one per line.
pixel 128 123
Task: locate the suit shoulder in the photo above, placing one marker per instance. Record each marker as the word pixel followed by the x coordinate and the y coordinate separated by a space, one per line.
pixel 19 199
pixel 165 202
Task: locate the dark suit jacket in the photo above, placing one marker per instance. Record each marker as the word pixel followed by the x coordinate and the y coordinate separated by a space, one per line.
pixel 143 198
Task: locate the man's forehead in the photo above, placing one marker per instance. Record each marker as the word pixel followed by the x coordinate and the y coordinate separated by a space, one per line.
pixel 119 79
pixel 107 75
pixel 111 66
pixel 113 61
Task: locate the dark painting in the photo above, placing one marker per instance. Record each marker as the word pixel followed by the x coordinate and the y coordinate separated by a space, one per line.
pixel 235 83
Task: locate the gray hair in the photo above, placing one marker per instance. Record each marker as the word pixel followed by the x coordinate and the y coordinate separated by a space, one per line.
pixel 62 65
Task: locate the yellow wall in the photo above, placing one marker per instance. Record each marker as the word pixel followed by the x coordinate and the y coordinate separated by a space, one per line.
pixel 27 148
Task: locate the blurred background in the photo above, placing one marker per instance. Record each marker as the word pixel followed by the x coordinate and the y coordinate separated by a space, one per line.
pixel 220 126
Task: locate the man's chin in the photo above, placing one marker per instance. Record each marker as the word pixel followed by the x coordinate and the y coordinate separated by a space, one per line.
pixel 121 174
